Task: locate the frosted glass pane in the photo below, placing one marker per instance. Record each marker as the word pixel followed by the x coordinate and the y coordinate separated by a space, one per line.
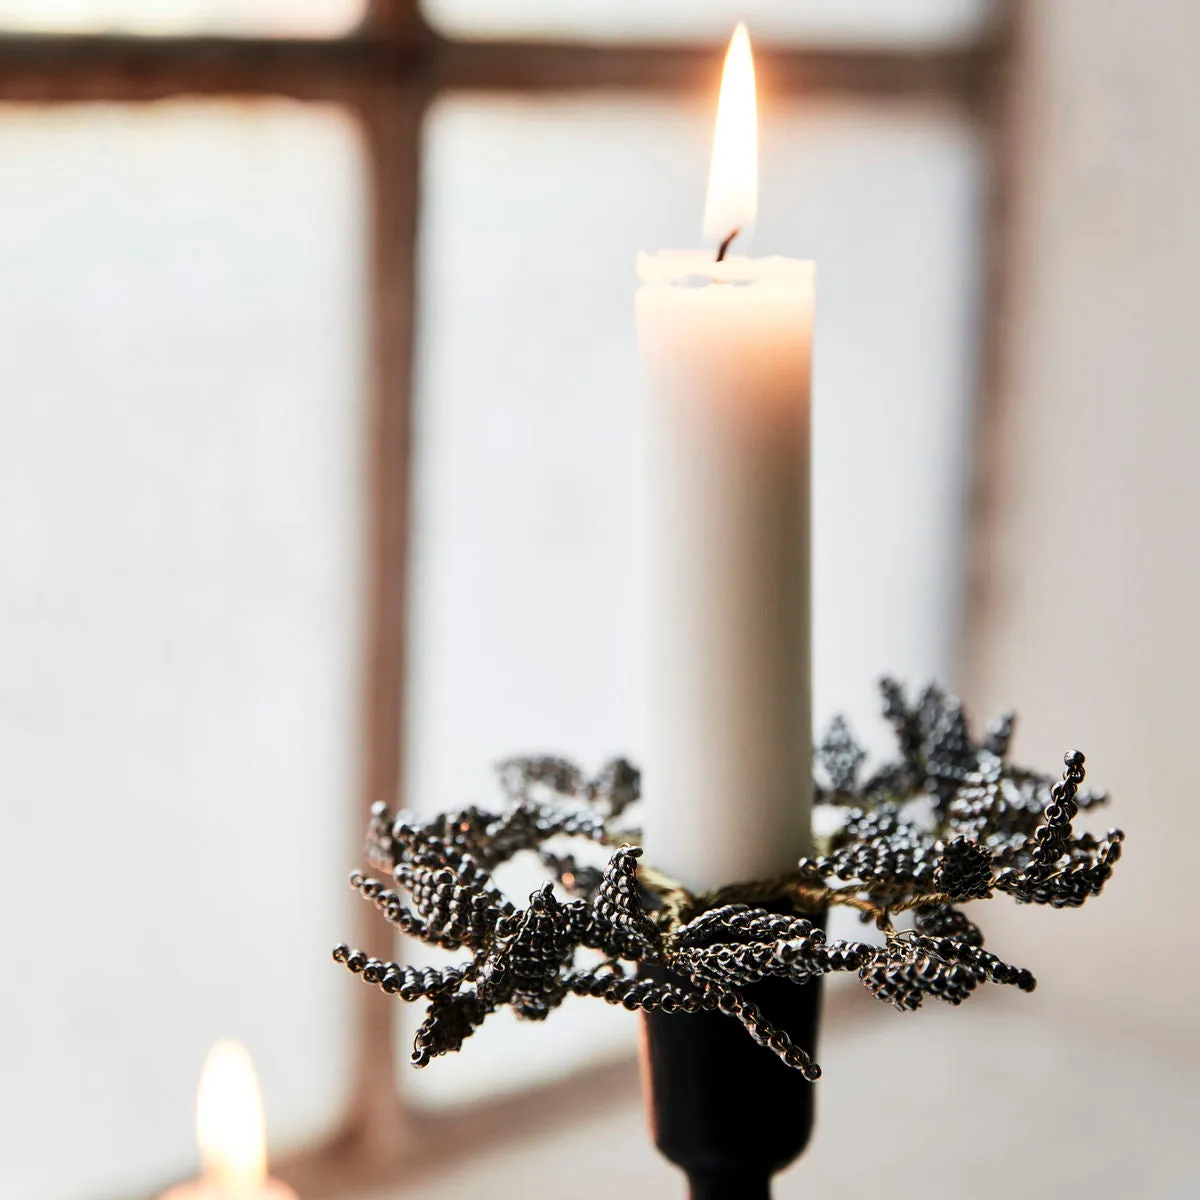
pixel 180 319
pixel 267 18
pixel 527 626
pixel 861 22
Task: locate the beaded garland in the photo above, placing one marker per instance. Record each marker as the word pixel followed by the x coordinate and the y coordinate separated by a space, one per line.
pixel 949 820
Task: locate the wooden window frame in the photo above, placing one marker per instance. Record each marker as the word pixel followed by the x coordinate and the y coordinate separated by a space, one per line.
pixel 387 72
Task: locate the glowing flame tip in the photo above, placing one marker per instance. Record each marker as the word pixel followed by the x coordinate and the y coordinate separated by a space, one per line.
pixel 733 177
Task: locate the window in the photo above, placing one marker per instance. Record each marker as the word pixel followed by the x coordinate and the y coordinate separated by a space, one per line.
pixel 308 502
pixel 527 585
pixel 180 327
pixel 822 22
pixel 264 18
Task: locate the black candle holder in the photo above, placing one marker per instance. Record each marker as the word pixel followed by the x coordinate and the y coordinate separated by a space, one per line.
pixel 948 821
pixel 730 1113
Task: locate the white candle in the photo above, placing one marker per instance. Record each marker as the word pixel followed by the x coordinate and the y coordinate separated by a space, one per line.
pixel 726 352
pixel 231 1133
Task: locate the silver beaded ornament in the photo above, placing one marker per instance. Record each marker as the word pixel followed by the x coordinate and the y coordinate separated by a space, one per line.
pixel 947 822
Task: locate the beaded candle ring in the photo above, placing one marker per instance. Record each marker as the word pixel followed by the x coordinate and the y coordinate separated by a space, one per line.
pixel 949 820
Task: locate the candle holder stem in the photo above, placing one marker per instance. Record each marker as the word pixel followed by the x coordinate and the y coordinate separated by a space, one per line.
pixel 732 1187
pixel 724 1109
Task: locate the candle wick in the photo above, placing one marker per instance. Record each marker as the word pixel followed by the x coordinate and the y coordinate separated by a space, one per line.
pixel 721 252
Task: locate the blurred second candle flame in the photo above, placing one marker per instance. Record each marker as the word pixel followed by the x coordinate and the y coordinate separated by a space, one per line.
pixel 230 1127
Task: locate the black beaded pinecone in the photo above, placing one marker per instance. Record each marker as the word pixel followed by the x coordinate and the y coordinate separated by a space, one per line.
pixel 964 871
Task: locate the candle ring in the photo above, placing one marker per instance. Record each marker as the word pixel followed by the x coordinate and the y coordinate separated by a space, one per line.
pixel 948 821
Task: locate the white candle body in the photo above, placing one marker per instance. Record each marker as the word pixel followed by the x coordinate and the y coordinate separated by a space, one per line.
pixel 726 350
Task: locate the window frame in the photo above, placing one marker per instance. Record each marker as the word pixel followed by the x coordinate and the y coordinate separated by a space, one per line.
pixel 386 72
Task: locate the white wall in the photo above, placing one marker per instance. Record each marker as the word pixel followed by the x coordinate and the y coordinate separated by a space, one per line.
pixel 1092 559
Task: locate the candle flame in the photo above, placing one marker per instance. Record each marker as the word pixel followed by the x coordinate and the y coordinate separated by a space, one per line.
pixel 229 1119
pixel 733 177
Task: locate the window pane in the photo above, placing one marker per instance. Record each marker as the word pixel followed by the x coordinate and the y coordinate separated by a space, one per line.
pixel 179 525
pixel 527 613
pixel 858 22
pixel 269 18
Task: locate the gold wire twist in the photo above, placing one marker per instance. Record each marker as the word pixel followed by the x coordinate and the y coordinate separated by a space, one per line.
pixel 678 905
